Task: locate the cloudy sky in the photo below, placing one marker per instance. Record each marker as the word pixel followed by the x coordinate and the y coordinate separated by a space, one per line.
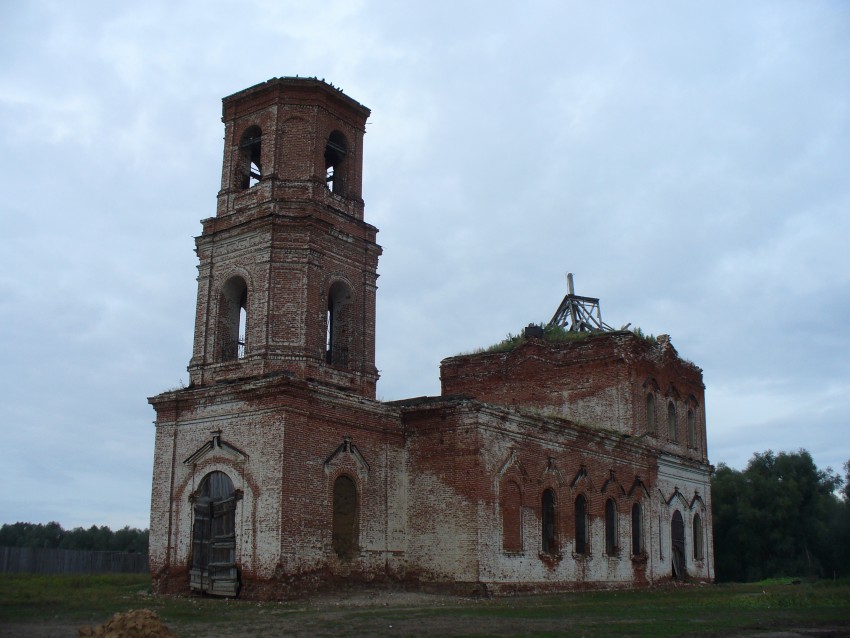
pixel 688 161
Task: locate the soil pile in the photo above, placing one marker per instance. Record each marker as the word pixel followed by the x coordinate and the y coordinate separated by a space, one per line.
pixel 138 623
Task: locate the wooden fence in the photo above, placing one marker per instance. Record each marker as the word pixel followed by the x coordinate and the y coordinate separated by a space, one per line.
pixel 69 561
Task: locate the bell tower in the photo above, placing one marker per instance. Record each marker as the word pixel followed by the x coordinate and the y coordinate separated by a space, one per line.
pixel 288 267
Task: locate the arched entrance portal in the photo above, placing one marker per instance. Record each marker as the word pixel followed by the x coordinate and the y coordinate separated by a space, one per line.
pixel 213 568
pixel 677 538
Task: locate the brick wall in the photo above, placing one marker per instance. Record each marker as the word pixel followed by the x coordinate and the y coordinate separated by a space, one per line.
pixel 601 381
pixel 293 439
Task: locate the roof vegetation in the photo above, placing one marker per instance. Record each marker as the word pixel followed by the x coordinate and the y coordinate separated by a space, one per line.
pixel 551 334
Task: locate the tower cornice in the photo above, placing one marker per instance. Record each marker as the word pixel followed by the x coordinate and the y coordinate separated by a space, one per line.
pixel 310 92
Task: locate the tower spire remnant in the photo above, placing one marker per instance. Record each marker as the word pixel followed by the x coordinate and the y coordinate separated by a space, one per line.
pixel 579 314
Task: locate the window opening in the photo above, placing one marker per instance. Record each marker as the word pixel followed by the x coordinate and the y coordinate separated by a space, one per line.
pixel 338 325
pixel 344 532
pixel 692 429
pixel 329 330
pixel 581 525
pixel 550 540
pixel 671 422
pixel 233 320
pixel 698 542
pixel 335 152
pixel 610 528
pixel 637 529
pixel 240 340
pixel 250 155
pixel 511 517
pixel 677 538
pixel 650 413
pixel 213 567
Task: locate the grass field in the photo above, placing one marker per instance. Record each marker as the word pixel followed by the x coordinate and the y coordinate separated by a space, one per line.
pixel 36 606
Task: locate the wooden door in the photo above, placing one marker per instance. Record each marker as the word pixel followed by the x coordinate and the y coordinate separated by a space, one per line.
pixel 201 528
pixel 223 579
pixel 213 568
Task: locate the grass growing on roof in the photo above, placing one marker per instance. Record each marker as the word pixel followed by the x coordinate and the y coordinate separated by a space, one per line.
pixel 551 334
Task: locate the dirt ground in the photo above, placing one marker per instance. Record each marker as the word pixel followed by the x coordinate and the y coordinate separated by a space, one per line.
pixel 365 613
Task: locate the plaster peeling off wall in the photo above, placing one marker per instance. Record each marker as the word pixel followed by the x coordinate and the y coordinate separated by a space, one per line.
pixel 603 408
pixel 441 531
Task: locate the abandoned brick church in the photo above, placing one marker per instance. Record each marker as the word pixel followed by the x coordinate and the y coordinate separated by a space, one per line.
pixel 547 466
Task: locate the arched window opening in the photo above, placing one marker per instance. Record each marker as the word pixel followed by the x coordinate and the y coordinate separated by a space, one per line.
pixel 677 538
pixel 249 170
pixel 672 433
pixel 233 320
pixel 344 532
pixel 698 542
pixel 511 517
pixel 581 525
pixel 650 413
pixel 214 537
pixel 692 429
pixel 637 530
pixel 549 527
pixel 610 528
pixel 338 325
pixel 335 152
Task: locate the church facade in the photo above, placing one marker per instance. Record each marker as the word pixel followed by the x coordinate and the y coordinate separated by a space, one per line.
pixel 545 466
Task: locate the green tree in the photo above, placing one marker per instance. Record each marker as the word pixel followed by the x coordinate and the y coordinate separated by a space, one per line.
pixel 840 530
pixel 728 498
pixel 31 535
pixel 847 482
pixel 779 517
pixel 51 535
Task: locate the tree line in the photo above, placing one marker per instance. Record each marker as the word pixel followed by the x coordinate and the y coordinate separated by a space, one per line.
pixel 780 516
pixel 53 536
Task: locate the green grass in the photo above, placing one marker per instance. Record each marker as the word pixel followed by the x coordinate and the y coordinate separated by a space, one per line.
pixel 699 610
pixel 31 596
pixel 551 334
pixel 96 597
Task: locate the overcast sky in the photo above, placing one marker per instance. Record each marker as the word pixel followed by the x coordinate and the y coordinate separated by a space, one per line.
pixel 688 161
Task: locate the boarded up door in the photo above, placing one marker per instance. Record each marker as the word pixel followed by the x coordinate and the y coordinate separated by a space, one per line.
pixel 213 569
pixel 222 565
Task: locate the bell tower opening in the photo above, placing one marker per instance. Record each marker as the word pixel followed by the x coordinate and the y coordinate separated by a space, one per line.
pixel 338 330
pixel 233 319
pixel 335 152
pixel 249 171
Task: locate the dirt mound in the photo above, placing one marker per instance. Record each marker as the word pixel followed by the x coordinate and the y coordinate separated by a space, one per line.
pixel 138 623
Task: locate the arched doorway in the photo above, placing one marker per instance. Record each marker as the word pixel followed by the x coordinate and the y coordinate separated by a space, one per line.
pixel 213 568
pixel 677 539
